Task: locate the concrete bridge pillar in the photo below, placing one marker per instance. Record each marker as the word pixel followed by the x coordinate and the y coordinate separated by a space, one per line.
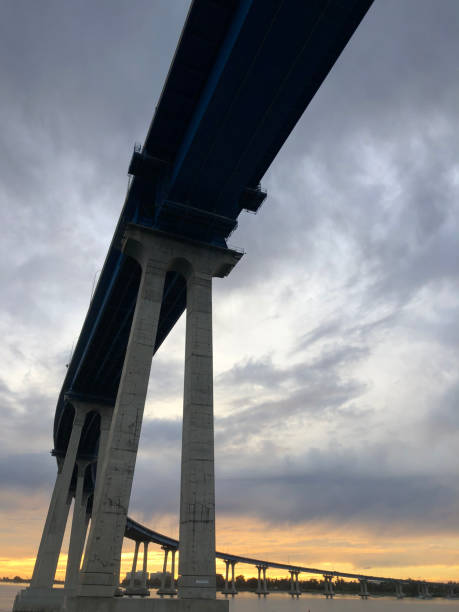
pixel 328 586
pixel 145 564
pixel 162 589
pixel 297 583
pixel 40 595
pixel 265 586
pixel 80 522
pixel 262 587
pixel 131 586
pixel 259 590
pixel 363 588
pixel 423 590
pixel 233 579
pixel 197 503
pixel 197 490
pixel 229 590
pixel 451 590
pixel 172 587
pixel 292 583
pixel 399 590
pixel 226 590
pixel 103 551
pixel 136 586
pixel 157 253
pixel 105 413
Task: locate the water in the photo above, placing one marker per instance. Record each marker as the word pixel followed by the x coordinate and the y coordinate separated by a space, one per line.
pixel 7 595
pixel 281 602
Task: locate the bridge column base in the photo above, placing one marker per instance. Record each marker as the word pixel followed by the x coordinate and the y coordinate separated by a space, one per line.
pixel 113 604
pixel 37 599
pixel 137 591
pixel 167 591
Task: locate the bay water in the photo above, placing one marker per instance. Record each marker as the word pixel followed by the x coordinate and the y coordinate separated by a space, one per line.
pixel 282 602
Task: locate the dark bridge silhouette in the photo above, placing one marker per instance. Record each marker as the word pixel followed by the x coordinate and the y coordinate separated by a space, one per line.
pixel 242 75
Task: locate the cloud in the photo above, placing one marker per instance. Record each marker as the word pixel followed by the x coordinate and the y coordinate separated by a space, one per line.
pixel 343 497
pixel 27 471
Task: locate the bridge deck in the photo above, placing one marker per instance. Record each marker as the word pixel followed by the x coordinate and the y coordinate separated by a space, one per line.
pixel 138 532
pixel 243 73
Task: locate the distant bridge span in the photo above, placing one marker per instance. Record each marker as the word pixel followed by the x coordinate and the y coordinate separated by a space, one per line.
pixel 140 533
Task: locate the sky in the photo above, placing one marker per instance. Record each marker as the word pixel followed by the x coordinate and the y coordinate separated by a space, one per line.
pixel 336 338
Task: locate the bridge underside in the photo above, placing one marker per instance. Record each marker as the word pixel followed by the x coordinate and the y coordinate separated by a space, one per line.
pixel 242 75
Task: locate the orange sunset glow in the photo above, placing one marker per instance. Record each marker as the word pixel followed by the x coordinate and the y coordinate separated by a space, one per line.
pixel 321 545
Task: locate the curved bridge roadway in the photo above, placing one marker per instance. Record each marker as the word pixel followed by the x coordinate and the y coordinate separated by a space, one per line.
pixel 140 533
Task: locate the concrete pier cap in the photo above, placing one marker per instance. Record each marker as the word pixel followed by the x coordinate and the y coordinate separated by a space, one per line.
pixel 177 253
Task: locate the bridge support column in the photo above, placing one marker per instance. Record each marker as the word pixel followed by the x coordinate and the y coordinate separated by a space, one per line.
pixel 297 583
pixel 265 586
pixel 103 551
pixel 294 583
pixel 233 579
pixel 197 490
pixel 146 592
pixel 131 586
pixel 197 503
pixel 157 254
pixel 363 588
pixel 262 589
pixel 399 590
pixel 40 595
pixel 423 590
pixel 258 591
pixel 451 590
pixel 139 586
pixel 226 590
pixel 292 591
pixel 105 413
pixel 173 590
pixel 162 589
pixel 328 586
pixel 80 522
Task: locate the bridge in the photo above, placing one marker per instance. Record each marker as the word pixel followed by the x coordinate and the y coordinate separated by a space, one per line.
pixel 143 535
pixel 243 74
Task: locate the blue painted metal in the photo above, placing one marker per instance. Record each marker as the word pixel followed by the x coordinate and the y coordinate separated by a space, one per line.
pixel 243 73
pixel 211 84
pixel 105 299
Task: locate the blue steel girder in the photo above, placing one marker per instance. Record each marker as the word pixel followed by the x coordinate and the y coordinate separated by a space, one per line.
pixel 272 60
pixel 243 73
